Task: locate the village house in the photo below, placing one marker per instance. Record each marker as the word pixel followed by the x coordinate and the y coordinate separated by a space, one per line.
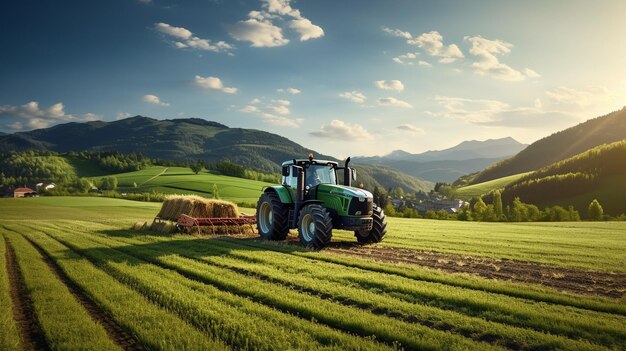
pixel 22 192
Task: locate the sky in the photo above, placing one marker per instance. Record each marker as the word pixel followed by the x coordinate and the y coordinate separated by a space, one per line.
pixel 341 77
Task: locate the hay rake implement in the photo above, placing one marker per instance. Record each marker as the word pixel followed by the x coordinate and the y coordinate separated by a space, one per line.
pixel 187 223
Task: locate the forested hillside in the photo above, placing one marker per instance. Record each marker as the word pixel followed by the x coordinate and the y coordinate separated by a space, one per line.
pixel 583 177
pixel 559 146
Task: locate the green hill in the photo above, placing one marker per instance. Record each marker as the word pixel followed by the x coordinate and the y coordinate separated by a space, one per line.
pixel 179 140
pixel 559 146
pixel 598 173
pixel 467 192
pixel 185 140
pixel 179 180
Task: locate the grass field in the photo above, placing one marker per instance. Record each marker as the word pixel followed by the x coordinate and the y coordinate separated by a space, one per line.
pixel 179 180
pixel 467 192
pixel 70 267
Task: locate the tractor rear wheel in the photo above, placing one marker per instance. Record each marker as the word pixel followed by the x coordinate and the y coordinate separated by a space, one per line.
pixel 272 217
pixel 379 228
pixel 315 227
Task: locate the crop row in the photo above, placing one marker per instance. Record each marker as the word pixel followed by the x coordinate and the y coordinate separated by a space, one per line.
pixel 155 327
pixel 63 320
pixel 240 322
pixel 371 291
pixel 516 290
pixel 9 339
pixel 336 315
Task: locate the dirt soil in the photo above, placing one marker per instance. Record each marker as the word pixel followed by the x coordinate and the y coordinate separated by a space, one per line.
pixel 564 279
pixel 24 314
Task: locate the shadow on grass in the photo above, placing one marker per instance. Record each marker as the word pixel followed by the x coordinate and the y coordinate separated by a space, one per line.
pixel 195 248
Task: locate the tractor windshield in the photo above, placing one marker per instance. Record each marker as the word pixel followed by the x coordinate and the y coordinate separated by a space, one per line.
pixel 320 174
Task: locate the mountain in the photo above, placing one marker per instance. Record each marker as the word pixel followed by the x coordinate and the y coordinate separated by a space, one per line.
pixel 449 164
pixel 558 146
pixel 183 140
pixel 467 150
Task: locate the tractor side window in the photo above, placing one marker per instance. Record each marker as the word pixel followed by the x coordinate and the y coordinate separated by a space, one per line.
pixel 291 180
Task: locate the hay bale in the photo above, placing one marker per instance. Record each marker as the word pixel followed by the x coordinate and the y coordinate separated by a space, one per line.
pixel 197 207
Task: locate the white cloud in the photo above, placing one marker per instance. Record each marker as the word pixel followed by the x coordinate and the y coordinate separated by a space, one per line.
pixel 15 126
pixel 391 101
pixel 354 96
pixel 531 74
pixel 389 85
pixel 184 38
pixel 424 63
pixel 153 99
pixel 585 97
pixel 432 44
pixel 499 114
pixel 406 59
pixel 397 33
pixel 265 28
pixel 292 91
pixel 409 128
pixel 213 83
pixel 259 33
pixel 40 118
pixel 488 63
pixel 341 130
pixel 469 110
pixel 306 29
pixel 274 112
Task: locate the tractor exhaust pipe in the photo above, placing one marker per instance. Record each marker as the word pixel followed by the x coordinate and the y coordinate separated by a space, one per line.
pixel 299 194
pixel 347 173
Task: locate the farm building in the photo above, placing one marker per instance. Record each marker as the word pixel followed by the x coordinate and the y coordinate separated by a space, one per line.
pixel 22 192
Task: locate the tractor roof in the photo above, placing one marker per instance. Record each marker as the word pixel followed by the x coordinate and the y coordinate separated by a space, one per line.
pixel 302 161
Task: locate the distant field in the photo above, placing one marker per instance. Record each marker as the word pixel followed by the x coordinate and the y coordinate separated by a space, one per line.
pixel 467 192
pixel 179 180
pixel 94 284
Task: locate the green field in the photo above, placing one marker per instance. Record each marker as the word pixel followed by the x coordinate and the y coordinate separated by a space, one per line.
pixel 467 192
pixel 179 180
pixel 94 284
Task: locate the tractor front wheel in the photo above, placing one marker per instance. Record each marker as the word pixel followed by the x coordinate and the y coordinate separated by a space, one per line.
pixel 379 228
pixel 315 226
pixel 272 217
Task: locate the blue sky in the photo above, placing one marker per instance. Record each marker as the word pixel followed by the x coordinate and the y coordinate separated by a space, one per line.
pixel 341 77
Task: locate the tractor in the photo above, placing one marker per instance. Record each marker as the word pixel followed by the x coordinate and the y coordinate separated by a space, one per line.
pixel 311 200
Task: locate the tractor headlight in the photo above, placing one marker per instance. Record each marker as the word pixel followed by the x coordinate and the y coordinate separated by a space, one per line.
pixel 361 199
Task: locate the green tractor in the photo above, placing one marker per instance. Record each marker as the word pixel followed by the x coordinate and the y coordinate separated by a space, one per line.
pixel 311 200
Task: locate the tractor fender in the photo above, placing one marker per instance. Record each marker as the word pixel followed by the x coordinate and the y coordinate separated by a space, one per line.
pixel 283 194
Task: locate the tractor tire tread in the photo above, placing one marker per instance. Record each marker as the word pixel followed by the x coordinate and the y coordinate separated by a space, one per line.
pixel 280 217
pixel 379 228
pixel 323 226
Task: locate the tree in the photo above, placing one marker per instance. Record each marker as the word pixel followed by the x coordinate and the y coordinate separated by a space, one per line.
pixel 497 205
pixel 108 183
pixel 389 210
pixel 465 214
pixel 447 191
pixel 197 167
pixel 380 196
pixel 398 193
pixel 573 214
pixel 479 209
pixel 216 193
pixel 595 211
